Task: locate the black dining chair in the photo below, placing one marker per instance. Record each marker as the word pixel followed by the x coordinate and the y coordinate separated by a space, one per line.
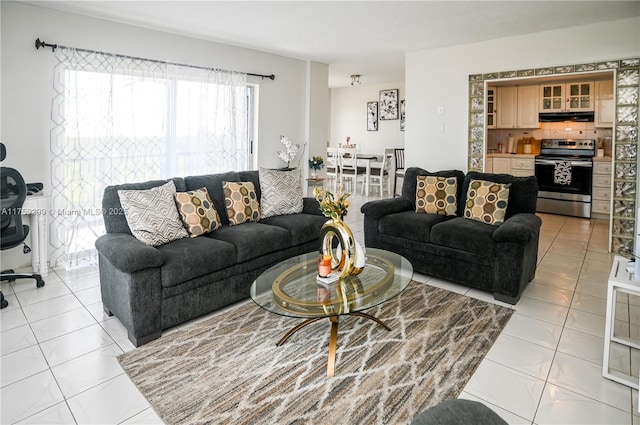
pixel 13 192
pixel 399 168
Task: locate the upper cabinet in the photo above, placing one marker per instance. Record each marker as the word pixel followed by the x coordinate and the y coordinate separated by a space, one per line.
pixel 517 107
pixel 566 97
pixel 604 104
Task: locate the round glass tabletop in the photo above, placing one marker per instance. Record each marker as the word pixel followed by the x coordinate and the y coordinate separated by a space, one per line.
pixel 292 288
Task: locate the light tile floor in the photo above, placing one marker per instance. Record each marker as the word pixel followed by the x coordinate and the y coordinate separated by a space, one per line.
pixel 58 349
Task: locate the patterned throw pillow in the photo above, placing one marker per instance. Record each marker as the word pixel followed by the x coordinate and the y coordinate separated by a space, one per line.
pixel 241 202
pixel 487 201
pixel 152 215
pixel 198 214
pixel 281 192
pixel 436 195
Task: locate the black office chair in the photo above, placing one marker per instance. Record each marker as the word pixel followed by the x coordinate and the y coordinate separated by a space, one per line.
pixel 13 192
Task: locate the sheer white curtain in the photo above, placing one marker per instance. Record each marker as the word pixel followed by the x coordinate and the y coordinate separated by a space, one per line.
pixel 122 120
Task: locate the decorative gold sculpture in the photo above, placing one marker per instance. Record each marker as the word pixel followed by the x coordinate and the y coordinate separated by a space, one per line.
pixel 347 256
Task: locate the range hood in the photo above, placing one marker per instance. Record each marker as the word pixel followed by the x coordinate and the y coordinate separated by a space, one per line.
pixel 566 116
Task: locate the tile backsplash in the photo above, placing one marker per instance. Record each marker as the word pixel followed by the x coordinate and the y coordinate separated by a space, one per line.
pixel 553 130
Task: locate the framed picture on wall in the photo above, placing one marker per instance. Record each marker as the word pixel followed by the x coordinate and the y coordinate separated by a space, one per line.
pixel 402 115
pixel 389 104
pixel 372 116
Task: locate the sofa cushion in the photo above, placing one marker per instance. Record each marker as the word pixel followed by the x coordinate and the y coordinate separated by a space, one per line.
pixel 465 235
pixel 112 212
pixel 523 193
pixel 436 195
pixel 487 201
pixel 410 225
pixel 213 183
pixel 197 212
pixel 189 258
pixel 251 240
pixel 152 215
pixel 302 228
pixel 241 202
pixel 410 182
pixel 281 192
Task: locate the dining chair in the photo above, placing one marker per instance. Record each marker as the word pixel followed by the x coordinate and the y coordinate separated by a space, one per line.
pixel 399 168
pixel 380 171
pixel 333 166
pixel 349 169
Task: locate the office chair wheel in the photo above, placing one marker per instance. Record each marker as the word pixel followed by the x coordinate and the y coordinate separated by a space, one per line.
pixel 39 283
pixel 10 279
pixel 3 303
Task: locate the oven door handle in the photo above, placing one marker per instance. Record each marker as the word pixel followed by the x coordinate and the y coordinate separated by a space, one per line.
pixel 586 164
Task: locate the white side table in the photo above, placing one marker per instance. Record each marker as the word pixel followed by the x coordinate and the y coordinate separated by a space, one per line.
pixel 619 281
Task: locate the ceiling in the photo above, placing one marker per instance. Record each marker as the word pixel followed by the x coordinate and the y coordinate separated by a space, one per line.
pixel 354 37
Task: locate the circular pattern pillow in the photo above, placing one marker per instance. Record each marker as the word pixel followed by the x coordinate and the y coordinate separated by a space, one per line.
pixel 197 211
pixel 487 201
pixel 436 195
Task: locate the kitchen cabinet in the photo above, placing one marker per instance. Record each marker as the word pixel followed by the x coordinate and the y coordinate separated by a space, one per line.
pixel 507 104
pixel 528 107
pixel 502 165
pixel 567 97
pixel 515 165
pixel 491 107
pixel 517 107
pixel 488 165
pixel 522 167
pixel 604 104
pixel 601 195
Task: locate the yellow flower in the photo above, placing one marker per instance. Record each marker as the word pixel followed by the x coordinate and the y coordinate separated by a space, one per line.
pixel 332 206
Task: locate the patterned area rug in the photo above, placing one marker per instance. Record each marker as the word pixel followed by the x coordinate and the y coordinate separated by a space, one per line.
pixel 228 369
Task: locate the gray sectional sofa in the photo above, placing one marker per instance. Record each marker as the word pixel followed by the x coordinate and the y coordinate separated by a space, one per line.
pixel 496 258
pixel 154 288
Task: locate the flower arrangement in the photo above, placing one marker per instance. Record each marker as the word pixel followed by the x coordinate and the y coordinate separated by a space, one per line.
pixel 316 163
pixel 332 206
pixel 290 151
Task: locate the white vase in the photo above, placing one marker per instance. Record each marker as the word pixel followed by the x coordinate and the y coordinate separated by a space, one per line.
pixel 314 174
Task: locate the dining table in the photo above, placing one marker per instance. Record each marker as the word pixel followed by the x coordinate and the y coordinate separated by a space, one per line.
pixel 366 160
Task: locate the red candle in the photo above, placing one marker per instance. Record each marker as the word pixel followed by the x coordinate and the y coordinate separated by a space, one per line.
pixel 324 265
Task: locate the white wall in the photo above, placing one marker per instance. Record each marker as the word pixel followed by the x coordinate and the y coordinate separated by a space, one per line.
pixel 349 118
pixel 441 77
pixel 27 74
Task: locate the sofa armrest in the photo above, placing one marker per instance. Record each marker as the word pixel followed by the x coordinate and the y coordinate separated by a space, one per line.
pixel 311 206
pixel 127 253
pixel 519 228
pixel 381 207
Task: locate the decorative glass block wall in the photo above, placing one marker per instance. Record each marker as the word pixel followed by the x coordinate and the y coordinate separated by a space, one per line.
pixel 625 154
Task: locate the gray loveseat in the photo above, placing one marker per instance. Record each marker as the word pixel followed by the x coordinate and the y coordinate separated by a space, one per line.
pixel 496 258
pixel 153 288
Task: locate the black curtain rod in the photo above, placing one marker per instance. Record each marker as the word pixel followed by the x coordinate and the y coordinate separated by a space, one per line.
pixel 40 44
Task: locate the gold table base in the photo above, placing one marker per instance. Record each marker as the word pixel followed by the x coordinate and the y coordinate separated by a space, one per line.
pixel 333 338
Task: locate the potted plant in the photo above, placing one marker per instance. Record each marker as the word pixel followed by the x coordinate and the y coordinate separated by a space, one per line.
pixel 316 163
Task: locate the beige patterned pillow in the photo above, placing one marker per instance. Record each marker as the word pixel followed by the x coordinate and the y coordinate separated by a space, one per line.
pixel 198 214
pixel 241 202
pixel 152 215
pixel 487 201
pixel 436 195
pixel 281 192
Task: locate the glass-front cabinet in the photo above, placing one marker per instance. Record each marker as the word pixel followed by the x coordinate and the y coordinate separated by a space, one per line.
pixel 567 97
pixel 491 107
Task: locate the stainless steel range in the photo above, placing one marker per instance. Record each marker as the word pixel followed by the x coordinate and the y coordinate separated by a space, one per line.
pixel 564 169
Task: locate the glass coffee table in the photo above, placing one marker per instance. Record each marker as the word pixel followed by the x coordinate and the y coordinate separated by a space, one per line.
pixel 291 288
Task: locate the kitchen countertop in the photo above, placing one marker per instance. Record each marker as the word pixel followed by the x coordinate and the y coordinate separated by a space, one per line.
pixel 511 155
pixel 532 156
